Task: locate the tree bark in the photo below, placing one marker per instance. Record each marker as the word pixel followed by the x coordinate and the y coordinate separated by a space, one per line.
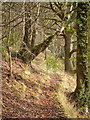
pixel 30 54
pixel 33 37
pixel 8 44
pixel 68 64
pixel 40 47
pixel 27 25
pixel 82 74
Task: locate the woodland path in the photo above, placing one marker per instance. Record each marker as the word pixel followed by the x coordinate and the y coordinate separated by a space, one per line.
pixel 37 101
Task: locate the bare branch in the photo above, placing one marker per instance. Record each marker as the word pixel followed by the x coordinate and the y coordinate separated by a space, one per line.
pixel 57 13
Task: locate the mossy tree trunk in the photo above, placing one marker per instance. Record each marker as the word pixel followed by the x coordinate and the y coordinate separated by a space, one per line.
pixel 40 47
pixel 81 91
pixel 30 54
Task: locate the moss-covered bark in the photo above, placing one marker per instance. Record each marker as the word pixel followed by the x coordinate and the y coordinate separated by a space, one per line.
pixel 82 74
pixel 29 54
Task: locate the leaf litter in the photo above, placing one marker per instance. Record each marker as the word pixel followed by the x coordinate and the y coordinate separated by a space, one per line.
pixel 29 95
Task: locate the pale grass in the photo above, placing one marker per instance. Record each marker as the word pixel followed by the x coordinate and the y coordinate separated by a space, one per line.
pixel 68 82
pixel 67 85
pixel 69 109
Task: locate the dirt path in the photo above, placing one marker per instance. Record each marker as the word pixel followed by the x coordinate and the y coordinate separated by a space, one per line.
pixel 37 101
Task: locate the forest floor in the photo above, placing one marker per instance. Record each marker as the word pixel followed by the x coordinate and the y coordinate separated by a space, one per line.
pixel 32 93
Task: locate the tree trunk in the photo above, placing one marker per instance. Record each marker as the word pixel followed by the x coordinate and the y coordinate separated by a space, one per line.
pixel 30 54
pixel 10 60
pixel 36 50
pixel 27 25
pixel 68 64
pixel 8 45
pixel 33 36
pixel 26 46
pixel 82 74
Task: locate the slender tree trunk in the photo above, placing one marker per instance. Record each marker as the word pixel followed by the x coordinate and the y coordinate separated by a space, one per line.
pixel 34 30
pixel 68 64
pixel 8 46
pixel 10 60
pixel 33 36
pixel 1 62
pixel 27 25
pixel 45 52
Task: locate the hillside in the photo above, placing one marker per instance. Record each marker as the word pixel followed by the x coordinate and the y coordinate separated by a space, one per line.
pixel 37 92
